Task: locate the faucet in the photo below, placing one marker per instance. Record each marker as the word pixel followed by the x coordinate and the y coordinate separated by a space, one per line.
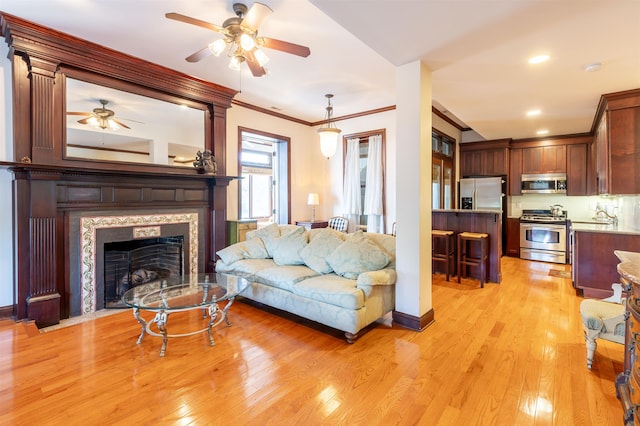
pixel 602 212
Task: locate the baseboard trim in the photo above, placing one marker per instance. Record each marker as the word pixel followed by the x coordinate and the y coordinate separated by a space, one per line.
pixel 6 312
pixel 412 322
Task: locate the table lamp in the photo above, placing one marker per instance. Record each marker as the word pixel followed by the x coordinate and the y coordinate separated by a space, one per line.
pixel 313 200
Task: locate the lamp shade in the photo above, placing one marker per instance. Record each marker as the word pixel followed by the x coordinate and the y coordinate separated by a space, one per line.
pixel 313 199
pixel 328 140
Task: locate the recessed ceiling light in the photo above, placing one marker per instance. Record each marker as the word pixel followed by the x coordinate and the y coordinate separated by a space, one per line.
pixel 596 66
pixel 539 59
pixel 533 112
pixel 542 132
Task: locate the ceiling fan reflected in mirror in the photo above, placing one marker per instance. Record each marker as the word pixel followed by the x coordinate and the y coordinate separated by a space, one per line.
pixel 101 118
pixel 241 40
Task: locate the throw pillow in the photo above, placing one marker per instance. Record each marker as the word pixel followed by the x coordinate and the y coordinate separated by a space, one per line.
pixel 250 249
pixel 323 243
pixel 267 234
pixel 286 249
pixel 356 255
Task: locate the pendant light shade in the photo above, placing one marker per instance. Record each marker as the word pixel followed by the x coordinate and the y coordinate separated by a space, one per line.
pixel 329 135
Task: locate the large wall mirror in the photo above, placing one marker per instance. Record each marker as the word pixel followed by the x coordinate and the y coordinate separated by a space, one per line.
pixel 107 124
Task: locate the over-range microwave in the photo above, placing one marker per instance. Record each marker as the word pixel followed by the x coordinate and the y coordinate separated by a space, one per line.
pixel 548 183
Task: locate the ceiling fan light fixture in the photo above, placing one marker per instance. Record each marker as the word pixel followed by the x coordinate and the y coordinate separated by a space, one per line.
pixel 247 42
pixel 235 62
pixel 113 125
pixel 329 135
pixel 261 57
pixel 217 47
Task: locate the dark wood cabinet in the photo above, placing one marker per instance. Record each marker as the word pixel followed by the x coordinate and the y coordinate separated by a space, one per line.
pixel 617 138
pixel 577 169
pixel 545 159
pixel 515 171
pixel 513 237
pixel 594 261
pixel 489 158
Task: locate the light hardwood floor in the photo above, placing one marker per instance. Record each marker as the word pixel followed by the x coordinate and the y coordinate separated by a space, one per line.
pixel 508 354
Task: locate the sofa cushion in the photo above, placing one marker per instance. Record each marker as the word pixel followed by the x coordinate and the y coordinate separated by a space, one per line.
pixel 250 249
pixel 286 249
pixel 387 242
pixel 284 277
pixel 322 244
pixel 246 268
pixel 332 289
pixel 266 234
pixel 357 254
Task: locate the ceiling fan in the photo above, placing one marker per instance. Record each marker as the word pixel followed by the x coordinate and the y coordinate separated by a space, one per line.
pixel 101 118
pixel 241 38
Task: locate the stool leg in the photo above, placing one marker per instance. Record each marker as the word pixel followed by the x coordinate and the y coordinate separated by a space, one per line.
pixel 483 261
pixel 459 258
pixel 446 250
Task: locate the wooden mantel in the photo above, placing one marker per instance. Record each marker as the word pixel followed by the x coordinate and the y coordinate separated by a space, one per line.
pixel 49 186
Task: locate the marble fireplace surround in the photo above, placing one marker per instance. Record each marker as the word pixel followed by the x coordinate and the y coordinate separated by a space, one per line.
pixel 137 226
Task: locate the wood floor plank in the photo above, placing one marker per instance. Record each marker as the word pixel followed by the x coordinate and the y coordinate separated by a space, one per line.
pixel 501 355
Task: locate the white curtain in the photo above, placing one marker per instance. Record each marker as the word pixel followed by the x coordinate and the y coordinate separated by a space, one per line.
pixel 351 191
pixel 373 207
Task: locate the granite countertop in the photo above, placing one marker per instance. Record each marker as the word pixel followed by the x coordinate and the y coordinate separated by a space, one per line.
pixel 466 211
pixel 577 225
pixel 630 266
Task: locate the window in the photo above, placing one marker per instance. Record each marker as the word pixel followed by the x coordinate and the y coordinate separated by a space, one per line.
pixel 264 168
pixel 374 167
pixel 442 172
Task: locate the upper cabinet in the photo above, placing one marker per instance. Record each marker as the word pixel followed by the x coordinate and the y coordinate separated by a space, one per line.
pixel 617 139
pixel 545 159
pixel 488 158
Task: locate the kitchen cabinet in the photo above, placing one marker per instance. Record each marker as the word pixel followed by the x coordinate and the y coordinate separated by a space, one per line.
pixel 488 158
pixel 577 169
pixel 594 261
pixel 513 237
pixel 617 138
pixel 545 159
pixel 515 171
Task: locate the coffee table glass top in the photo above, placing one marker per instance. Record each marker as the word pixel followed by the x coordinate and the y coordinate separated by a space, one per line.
pixel 189 291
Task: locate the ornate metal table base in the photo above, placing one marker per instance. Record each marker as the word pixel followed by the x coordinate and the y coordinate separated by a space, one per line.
pixel 162 316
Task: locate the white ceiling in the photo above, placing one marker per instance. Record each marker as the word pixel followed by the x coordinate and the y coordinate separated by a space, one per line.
pixel 476 49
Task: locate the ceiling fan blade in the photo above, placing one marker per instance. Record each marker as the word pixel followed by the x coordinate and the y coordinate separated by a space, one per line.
pixel 256 15
pixel 84 120
pixel 78 113
pixel 199 55
pixel 253 64
pixel 285 46
pixel 194 21
pixel 121 124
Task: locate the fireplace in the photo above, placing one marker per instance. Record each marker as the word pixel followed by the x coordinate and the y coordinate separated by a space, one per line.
pixel 128 264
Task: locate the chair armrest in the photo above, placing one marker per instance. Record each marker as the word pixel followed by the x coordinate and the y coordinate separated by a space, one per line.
pixel 387 276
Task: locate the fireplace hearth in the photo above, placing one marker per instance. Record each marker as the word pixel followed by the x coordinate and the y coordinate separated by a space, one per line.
pixel 128 264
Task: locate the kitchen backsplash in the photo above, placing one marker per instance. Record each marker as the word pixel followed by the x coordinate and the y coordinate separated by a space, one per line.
pixel 626 208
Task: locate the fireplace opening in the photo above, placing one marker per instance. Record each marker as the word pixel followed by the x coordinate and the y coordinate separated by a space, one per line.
pixel 128 264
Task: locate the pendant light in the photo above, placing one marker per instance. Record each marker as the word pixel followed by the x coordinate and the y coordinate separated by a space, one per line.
pixel 329 135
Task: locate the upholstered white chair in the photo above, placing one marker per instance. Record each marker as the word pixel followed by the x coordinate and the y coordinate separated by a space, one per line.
pixel 603 319
pixel 339 223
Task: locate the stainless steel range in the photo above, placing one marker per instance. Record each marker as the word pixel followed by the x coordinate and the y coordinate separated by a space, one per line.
pixel 543 235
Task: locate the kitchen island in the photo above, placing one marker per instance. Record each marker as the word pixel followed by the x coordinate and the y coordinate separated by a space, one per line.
pixel 594 261
pixel 480 221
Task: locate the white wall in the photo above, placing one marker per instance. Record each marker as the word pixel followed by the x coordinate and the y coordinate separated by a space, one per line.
pixel 6 154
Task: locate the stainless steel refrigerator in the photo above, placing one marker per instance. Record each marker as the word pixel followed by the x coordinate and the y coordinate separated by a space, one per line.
pixel 486 193
pixel 483 193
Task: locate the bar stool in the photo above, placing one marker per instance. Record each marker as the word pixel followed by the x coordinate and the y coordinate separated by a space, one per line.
pixel 448 255
pixel 465 257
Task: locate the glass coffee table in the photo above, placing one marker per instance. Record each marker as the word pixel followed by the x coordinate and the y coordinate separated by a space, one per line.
pixel 192 292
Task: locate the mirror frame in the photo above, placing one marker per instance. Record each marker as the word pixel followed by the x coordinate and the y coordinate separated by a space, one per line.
pixel 42 58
